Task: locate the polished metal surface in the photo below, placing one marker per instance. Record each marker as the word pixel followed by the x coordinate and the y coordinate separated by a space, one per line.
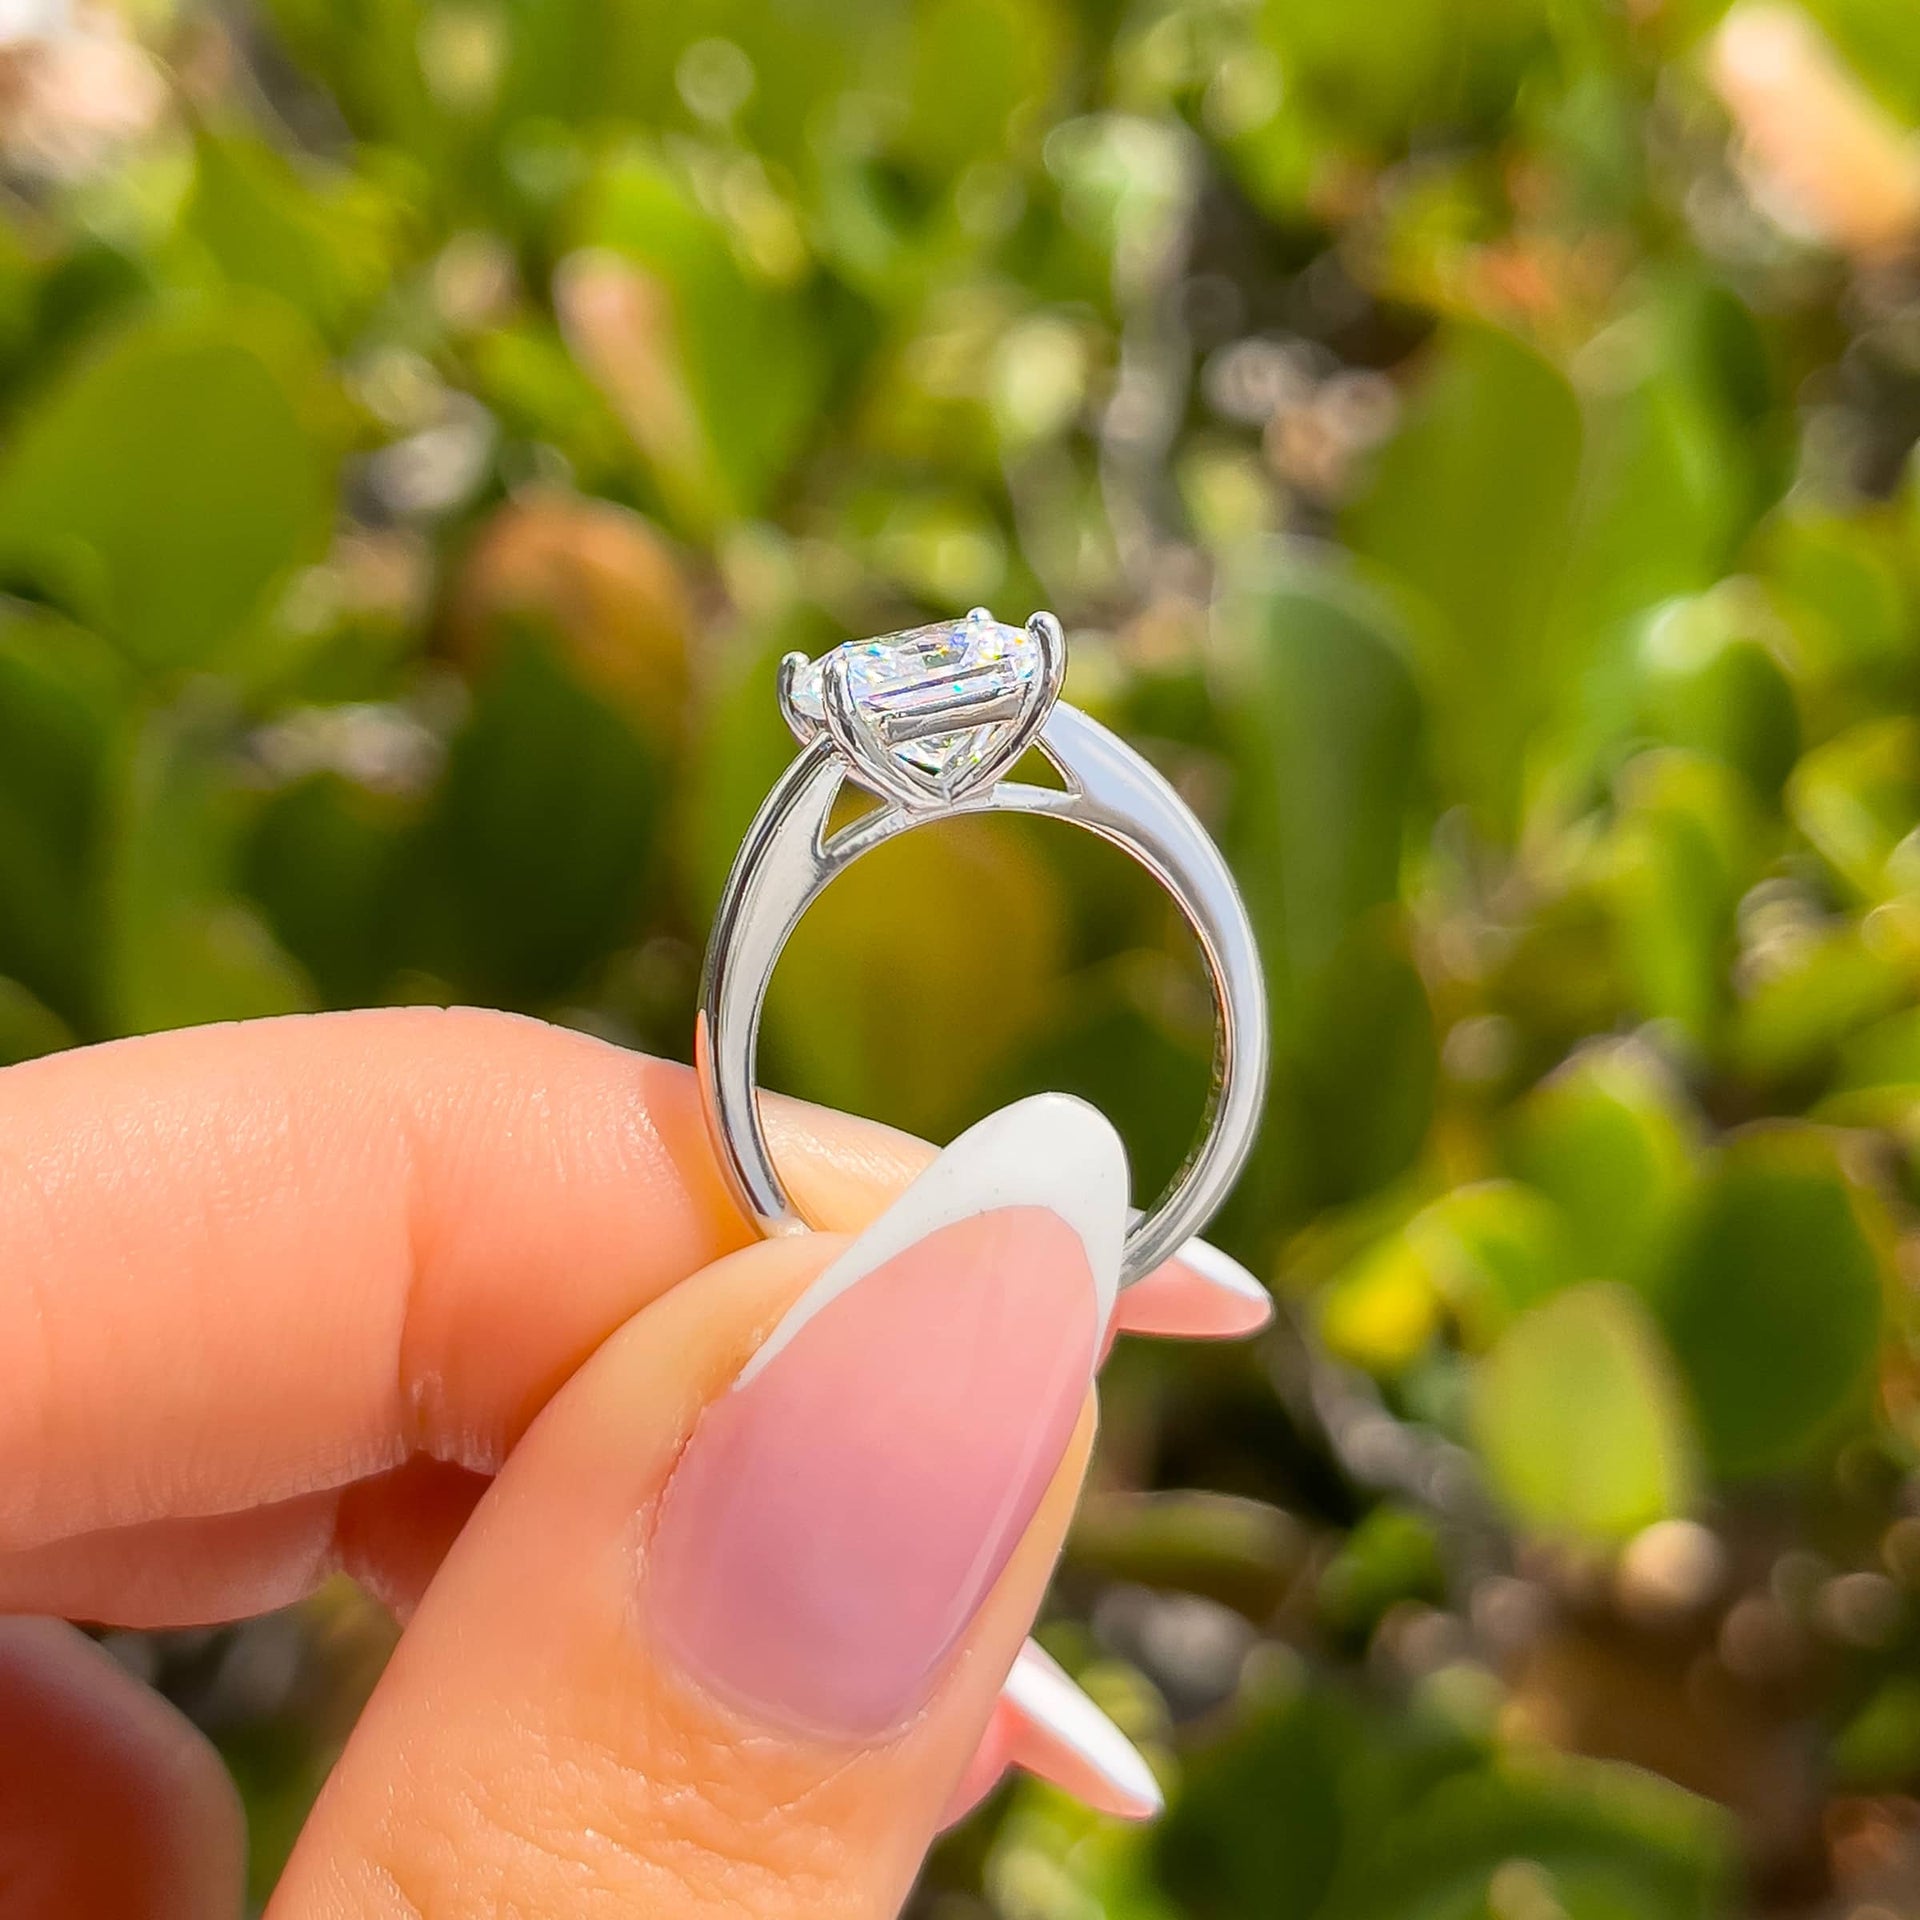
pixel 788 859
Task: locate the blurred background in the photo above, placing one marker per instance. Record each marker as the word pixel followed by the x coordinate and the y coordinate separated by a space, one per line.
pixel 1468 442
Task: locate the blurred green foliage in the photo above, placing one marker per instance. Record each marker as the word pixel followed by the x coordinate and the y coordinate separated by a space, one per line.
pixel 1470 447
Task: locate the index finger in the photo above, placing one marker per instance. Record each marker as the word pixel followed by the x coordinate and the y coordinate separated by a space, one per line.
pixel 276 1298
pixel 247 1265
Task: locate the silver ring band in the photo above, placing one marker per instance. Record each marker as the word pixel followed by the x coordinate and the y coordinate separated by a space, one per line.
pixel 788 859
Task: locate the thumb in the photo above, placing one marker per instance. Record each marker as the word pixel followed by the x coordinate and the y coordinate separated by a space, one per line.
pixel 729 1626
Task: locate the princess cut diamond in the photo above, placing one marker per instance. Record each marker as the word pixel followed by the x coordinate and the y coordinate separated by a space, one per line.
pixel 932 677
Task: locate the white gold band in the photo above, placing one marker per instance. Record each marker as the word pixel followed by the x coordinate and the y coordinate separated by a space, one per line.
pixel 788 858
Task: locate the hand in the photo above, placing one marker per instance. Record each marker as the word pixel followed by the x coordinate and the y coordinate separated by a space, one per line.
pixel 454 1302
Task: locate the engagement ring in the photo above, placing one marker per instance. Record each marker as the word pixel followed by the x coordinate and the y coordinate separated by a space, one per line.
pixel 931 721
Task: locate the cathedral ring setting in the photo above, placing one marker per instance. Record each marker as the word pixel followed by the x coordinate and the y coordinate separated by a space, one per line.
pixel 932 721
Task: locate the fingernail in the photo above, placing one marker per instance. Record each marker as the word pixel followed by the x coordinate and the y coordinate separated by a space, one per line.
pixel 1223 1271
pixel 842 1511
pixel 1063 1737
pixel 1200 1294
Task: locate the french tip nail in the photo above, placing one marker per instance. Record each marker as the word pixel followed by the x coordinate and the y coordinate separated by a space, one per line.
pixel 839 1517
pixel 1222 1270
pixel 1053 1150
pixel 1058 1715
pixel 1050 1150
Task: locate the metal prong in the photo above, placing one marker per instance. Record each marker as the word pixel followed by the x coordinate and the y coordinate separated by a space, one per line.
pixel 1053 656
pixel 874 768
pixel 836 705
pixel 978 615
pixel 803 726
pixel 1025 715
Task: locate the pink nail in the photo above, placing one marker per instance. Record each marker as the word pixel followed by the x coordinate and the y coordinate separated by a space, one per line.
pixel 839 1515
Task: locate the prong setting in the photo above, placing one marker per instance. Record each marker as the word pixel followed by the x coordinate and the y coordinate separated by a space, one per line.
pixel 1052 640
pixel 802 726
pixel 934 715
pixel 867 760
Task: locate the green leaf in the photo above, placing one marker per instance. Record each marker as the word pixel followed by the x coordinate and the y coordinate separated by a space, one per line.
pixel 977 65
pixel 1580 1420
pixel 1262 1821
pixel 1240 1552
pixel 1393 1555
pixel 1377 79
pixel 171 481
pixel 1774 1298
pixel 94 285
pixel 545 833
pixel 1121 1037
pixel 1383 1311
pixel 1878 1750
pixel 333 865
pixel 182 946
pixel 1365 1064
pixel 1874 38
pixel 1495 1248
pixel 528 380
pixel 1471 507
pixel 64 701
pixel 27 1028
pixel 1599 1842
pixel 1320 708
pixel 1562 979
pixel 1857 797
pixel 1482 1253
pixel 1608 1138
pixel 1683 850
pixel 1324 724
pixel 1311 1807
pixel 367 54
pixel 1879 1069
pixel 19 291
pixel 1676 405
pixel 1819 989
pixel 717 443
pixel 1837 585
pixel 1709 682
pixel 868 1013
pixel 1657 498
pixel 324 245
pixel 1053 1854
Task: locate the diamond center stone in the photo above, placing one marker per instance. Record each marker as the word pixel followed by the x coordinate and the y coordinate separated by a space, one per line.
pixel 906 684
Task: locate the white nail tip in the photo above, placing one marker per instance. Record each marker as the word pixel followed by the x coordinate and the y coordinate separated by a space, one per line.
pixel 1056 1709
pixel 1222 1270
pixel 1049 1151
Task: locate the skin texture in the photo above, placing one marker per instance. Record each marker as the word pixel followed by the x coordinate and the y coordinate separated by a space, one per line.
pixel 436 1298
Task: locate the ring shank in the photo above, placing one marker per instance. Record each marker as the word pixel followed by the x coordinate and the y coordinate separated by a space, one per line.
pixel 787 861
